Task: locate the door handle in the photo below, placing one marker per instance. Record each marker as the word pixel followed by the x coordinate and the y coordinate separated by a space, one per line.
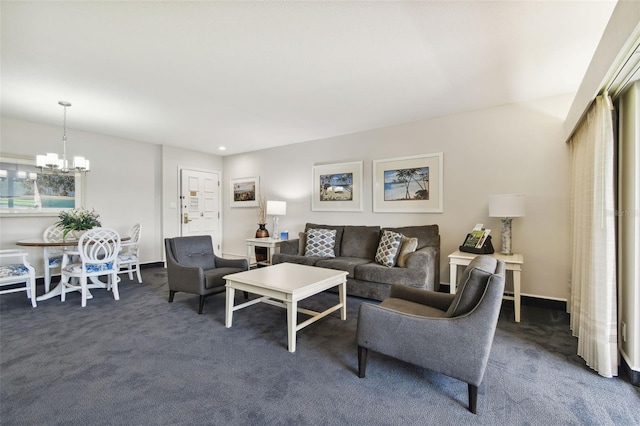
pixel 185 218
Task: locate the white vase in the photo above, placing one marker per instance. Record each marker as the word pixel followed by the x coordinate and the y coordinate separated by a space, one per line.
pixel 76 234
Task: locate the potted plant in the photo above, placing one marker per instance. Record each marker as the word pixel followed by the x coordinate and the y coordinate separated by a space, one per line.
pixel 77 220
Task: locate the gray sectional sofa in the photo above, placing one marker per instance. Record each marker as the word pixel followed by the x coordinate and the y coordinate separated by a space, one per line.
pixel 355 250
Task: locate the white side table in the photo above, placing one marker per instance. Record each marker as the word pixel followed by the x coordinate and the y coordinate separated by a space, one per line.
pixel 513 263
pixel 271 244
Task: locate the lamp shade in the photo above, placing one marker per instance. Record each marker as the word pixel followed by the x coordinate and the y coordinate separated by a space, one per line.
pixel 506 205
pixel 276 208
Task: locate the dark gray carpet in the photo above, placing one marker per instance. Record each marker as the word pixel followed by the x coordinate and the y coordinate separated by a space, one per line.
pixel 143 361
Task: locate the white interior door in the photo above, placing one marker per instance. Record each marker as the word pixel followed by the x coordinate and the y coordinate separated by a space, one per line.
pixel 200 205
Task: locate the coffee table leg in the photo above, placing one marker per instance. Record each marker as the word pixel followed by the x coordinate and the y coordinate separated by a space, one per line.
pixel 292 322
pixel 229 314
pixel 342 291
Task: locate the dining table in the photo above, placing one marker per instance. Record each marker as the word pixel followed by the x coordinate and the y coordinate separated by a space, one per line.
pixel 66 253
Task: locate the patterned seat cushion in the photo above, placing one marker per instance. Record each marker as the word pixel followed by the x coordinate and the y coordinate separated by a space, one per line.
pixel 55 261
pixel 76 268
pixel 127 257
pixel 13 270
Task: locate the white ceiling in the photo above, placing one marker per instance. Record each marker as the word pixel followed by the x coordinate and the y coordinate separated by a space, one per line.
pixel 251 75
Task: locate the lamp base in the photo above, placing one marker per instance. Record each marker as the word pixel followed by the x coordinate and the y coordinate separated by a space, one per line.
pixel 506 236
pixel 276 234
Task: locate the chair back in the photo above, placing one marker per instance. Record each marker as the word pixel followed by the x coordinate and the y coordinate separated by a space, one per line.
pixel 134 234
pixel 192 251
pixel 473 283
pixel 99 246
pixel 53 234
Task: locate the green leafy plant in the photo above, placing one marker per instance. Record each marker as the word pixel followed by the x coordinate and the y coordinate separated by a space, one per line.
pixel 78 220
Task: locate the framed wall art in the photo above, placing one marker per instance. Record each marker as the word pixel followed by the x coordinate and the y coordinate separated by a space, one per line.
pixel 408 184
pixel 337 187
pixel 27 191
pixel 244 192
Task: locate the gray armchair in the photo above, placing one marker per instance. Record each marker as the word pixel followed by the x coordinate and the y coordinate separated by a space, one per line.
pixel 449 334
pixel 194 268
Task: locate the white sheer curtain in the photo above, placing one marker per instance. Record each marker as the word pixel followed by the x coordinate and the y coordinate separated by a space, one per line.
pixel 593 273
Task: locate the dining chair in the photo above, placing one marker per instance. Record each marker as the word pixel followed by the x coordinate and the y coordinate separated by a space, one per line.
pixel 129 257
pixel 97 250
pixel 52 256
pixel 15 269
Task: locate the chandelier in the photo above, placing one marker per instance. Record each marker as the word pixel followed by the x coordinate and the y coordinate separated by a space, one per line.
pixel 52 162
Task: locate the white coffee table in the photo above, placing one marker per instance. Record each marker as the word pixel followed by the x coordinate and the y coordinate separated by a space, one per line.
pixel 284 285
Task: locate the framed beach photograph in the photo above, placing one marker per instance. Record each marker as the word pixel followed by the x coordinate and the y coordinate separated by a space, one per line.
pixel 25 190
pixel 408 184
pixel 244 192
pixel 337 187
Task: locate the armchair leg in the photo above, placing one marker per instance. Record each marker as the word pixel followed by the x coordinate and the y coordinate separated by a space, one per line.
pixel 201 305
pixel 171 294
pixel 473 398
pixel 246 295
pixel 362 361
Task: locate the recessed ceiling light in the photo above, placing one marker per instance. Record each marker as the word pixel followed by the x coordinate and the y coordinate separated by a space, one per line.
pixel 222 148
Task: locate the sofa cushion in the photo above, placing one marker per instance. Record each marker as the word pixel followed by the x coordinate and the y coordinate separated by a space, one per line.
pixel 388 248
pixel 339 231
pixel 320 242
pixel 407 246
pixel 342 263
pixel 381 274
pixel 294 258
pixel 427 235
pixel 360 241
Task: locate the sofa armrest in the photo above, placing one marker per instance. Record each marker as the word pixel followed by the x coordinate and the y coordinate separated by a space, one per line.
pixel 290 246
pixel 428 260
pixel 437 300
pixel 221 262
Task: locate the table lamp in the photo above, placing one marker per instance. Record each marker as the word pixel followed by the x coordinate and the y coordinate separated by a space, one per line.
pixel 506 206
pixel 276 208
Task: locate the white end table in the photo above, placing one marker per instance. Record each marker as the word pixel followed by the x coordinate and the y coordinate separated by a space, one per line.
pixel 271 244
pixel 513 263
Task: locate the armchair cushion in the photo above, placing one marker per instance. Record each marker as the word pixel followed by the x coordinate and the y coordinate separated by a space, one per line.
pixel 413 308
pixel 213 277
pixel 434 299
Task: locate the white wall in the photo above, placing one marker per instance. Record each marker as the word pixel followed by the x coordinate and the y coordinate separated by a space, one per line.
pixel 514 148
pixel 130 181
pixel 173 160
